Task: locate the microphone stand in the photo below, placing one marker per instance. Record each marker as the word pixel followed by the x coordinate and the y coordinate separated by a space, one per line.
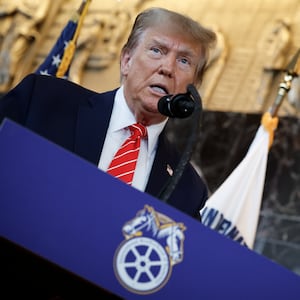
pixel 190 145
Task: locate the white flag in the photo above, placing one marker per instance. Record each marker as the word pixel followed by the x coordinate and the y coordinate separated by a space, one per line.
pixel 233 209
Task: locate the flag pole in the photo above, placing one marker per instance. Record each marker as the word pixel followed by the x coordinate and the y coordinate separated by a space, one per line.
pixel 292 71
pixel 70 50
pixel 270 118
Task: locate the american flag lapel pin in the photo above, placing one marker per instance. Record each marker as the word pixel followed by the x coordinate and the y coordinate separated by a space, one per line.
pixel 169 170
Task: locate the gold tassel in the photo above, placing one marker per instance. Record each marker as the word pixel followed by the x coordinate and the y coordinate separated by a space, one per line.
pixel 270 124
pixel 70 50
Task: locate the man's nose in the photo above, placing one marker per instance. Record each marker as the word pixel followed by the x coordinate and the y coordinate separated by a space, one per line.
pixel 168 65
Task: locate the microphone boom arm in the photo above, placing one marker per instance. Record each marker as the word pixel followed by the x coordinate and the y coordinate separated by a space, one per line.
pixel 190 145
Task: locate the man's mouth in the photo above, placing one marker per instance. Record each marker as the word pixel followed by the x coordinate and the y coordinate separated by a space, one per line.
pixel 160 89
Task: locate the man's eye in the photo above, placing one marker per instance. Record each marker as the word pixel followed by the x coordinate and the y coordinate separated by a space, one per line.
pixel 184 61
pixel 155 50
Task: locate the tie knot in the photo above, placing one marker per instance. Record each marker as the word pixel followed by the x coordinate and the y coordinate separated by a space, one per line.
pixel 138 130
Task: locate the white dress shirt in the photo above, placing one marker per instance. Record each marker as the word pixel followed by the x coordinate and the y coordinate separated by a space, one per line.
pixel 118 132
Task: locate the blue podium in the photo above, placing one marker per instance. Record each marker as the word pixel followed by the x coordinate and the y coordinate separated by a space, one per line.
pixel 68 227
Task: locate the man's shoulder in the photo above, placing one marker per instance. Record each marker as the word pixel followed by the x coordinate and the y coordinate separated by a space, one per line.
pixel 51 81
pixel 61 85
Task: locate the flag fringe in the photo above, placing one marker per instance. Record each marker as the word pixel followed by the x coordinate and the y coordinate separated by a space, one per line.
pixel 70 50
pixel 270 124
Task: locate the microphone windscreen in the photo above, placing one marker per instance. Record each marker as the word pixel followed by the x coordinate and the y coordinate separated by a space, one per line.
pixel 178 106
pixel 164 104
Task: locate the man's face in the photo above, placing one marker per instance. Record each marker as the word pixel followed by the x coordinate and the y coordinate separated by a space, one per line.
pixel 164 62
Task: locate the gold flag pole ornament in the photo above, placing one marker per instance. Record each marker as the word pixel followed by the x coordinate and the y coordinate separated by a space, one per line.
pixel 270 118
pixel 78 17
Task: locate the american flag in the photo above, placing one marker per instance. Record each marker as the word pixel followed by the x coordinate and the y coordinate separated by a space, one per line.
pixel 54 58
pixel 58 61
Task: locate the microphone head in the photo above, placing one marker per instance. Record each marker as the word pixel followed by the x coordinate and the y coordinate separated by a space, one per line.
pixel 178 106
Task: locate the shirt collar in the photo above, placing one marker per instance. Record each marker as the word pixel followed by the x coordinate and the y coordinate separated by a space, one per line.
pixel 118 123
pixel 121 109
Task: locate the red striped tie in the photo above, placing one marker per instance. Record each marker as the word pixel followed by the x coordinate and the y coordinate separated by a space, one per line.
pixel 124 162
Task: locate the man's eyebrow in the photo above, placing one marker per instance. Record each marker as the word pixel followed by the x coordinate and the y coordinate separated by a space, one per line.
pixel 185 52
pixel 158 42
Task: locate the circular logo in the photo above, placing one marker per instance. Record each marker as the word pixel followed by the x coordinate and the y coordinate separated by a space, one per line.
pixel 142 265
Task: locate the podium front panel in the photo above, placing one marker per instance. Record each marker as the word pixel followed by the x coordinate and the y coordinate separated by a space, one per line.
pixel 63 209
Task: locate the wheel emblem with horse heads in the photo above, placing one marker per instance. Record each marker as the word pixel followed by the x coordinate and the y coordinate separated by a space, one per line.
pixel 142 265
pixel 153 244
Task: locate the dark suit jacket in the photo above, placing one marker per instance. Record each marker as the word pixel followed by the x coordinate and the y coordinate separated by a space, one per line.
pixel 77 119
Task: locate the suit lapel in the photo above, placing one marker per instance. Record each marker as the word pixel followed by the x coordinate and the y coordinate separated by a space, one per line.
pixel 92 123
pixel 162 168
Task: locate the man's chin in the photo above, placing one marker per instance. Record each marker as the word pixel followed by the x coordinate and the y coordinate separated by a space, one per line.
pixel 152 117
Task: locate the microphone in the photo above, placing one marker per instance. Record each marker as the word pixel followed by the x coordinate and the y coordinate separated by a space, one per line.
pixel 176 106
pixel 181 106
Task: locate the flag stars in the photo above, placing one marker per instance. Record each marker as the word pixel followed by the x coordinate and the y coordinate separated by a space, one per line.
pixel 45 72
pixel 56 60
pixel 66 44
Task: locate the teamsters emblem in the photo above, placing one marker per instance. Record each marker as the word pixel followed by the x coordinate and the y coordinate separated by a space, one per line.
pixel 153 245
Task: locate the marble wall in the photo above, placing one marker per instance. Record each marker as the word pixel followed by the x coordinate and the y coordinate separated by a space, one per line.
pixel 223 141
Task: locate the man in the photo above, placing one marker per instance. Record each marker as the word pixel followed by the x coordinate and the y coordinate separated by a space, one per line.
pixel 164 53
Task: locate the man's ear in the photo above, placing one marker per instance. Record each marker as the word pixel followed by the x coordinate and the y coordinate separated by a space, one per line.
pixel 125 62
